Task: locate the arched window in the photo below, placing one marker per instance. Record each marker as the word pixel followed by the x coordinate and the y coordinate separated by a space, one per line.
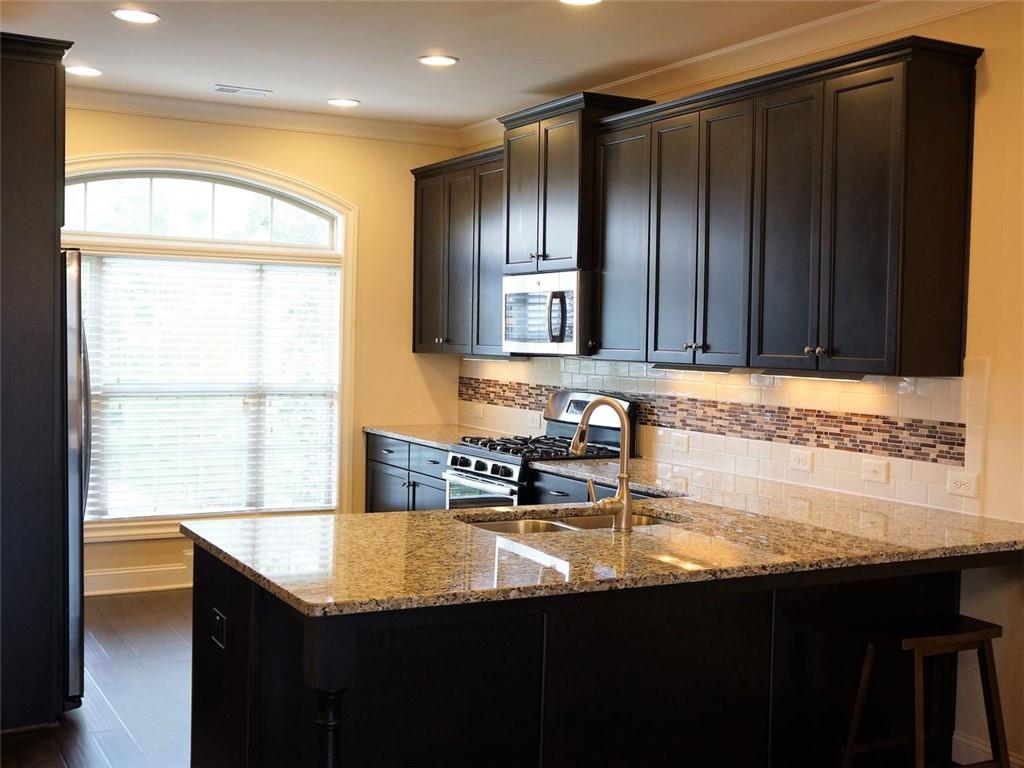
pixel 211 315
pixel 193 206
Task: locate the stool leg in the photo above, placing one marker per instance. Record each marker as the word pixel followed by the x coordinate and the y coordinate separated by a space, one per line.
pixel 993 708
pixel 919 759
pixel 858 704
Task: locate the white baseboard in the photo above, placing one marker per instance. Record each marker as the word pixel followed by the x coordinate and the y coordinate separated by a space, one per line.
pixel 968 749
pixel 140 578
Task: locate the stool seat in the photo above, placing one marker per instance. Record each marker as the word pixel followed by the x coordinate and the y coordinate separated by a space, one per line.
pixel 939 634
pixel 931 636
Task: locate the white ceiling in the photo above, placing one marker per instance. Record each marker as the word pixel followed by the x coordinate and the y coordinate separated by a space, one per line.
pixel 513 54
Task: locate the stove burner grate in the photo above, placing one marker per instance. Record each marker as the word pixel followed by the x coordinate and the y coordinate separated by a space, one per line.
pixel 543 447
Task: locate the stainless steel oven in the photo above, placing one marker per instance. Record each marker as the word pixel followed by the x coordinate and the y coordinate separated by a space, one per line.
pixel 464 491
pixel 546 313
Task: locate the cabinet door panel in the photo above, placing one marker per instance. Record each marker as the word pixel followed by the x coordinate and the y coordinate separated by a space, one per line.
pixel 560 192
pixel 429 258
pixel 861 221
pixel 787 194
pixel 490 242
pixel 458 289
pixel 387 488
pixel 426 492
pixel 723 266
pixel 673 258
pixel 522 198
pixel 624 182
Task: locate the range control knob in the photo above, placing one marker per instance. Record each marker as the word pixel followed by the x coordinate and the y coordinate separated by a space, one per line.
pixel 506 472
pixel 480 466
pixel 464 461
pixel 453 461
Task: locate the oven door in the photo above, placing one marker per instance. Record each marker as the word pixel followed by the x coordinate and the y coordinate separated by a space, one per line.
pixel 465 492
pixel 543 314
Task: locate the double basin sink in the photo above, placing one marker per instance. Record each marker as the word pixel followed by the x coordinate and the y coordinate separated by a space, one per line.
pixel 560 524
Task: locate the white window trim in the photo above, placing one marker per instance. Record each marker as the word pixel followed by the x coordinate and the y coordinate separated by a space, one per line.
pixel 343 254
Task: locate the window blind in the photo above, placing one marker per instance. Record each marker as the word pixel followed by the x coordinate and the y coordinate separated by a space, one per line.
pixel 214 385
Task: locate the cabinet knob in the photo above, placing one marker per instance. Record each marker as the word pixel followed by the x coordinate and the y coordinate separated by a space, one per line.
pixel 533 257
pixel 821 352
pixel 702 347
pixel 808 350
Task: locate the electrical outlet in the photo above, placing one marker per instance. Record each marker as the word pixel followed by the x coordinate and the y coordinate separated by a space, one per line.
pixel 962 484
pixel 875 470
pixel 801 460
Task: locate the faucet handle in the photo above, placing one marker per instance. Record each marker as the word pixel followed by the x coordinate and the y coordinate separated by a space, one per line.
pixel 591 491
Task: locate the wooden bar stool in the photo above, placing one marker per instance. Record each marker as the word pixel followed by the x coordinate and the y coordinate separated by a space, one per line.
pixel 932 637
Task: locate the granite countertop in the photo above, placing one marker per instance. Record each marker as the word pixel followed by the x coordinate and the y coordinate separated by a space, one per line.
pixel 341 564
pixel 645 475
pixel 442 436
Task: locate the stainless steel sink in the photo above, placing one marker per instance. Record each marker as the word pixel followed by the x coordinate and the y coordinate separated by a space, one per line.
pixel 574 523
pixel 523 526
pixel 597 522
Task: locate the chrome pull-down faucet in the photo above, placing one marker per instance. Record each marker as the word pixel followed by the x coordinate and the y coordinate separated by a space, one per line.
pixel 621 504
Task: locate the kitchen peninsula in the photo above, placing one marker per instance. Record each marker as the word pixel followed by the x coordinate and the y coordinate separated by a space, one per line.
pixel 731 637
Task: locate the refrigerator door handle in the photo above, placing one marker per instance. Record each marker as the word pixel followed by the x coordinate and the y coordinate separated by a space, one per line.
pixel 86 422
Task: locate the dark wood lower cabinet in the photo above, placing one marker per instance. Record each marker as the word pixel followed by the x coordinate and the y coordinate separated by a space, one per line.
pixel 387 488
pixel 743 672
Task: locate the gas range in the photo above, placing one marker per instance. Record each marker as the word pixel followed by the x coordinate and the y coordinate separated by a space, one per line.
pixel 494 471
pixel 545 447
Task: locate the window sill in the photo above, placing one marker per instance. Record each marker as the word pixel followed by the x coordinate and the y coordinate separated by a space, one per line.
pixel 148 529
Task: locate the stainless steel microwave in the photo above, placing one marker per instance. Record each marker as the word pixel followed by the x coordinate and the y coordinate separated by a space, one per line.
pixel 546 313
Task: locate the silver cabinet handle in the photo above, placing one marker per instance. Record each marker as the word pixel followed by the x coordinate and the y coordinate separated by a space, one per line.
pixel 433 461
pixel 558 493
pixel 821 352
pixel 808 350
pixel 387 451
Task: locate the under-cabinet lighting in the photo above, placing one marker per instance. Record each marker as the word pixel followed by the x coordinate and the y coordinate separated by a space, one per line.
pixel 579 2
pixel 344 102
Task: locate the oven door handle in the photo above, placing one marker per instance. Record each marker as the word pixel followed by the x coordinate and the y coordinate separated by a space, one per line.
pixel 480 485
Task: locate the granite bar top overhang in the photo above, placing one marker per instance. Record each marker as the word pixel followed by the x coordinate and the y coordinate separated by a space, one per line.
pixel 344 564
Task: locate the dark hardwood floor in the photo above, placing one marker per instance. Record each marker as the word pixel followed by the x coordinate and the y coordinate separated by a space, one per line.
pixel 135 712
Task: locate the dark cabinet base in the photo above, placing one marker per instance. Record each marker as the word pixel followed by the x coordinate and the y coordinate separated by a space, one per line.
pixel 751 672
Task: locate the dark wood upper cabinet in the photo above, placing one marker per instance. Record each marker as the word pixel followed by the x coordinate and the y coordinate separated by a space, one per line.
pixel 522 198
pixel 701 171
pixel 549 173
pixel 429 280
pixel 861 232
pixel 623 185
pixel 675 180
pixel 723 234
pixel 810 220
pixel 459 220
pixel 490 246
pixel 460 196
pixel 787 216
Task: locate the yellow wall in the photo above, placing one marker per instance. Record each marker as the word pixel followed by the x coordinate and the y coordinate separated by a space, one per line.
pixel 391 384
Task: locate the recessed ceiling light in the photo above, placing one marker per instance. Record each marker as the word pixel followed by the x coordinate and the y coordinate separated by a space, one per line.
pixel 579 2
pixel 438 60
pixel 83 71
pixel 343 102
pixel 135 16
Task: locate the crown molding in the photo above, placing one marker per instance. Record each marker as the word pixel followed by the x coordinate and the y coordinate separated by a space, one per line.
pixel 832 34
pixel 145 105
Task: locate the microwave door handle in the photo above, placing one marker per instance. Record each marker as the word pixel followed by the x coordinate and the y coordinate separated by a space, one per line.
pixel 562 316
pixel 551 303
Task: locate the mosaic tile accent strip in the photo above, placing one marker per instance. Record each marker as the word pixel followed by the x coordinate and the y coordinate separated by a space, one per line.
pixel 939 442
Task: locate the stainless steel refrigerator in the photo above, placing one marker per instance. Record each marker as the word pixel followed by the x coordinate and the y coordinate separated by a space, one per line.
pixel 79 444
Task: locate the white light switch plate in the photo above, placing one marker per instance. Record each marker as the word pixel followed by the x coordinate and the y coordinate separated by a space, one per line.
pixel 801 460
pixel 875 470
pixel 962 484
